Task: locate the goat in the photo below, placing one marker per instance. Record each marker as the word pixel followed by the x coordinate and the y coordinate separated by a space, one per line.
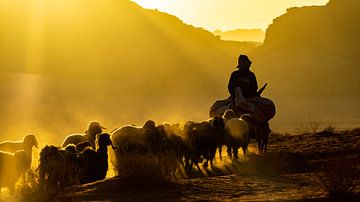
pixel 203 139
pixel 82 146
pixel 28 142
pixel 94 128
pixel 236 133
pixel 12 166
pixel 95 163
pixel 58 167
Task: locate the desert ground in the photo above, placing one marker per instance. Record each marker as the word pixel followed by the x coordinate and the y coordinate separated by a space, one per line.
pixel 295 168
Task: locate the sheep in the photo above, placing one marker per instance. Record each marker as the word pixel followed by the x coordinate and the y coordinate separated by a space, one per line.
pixel 58 167
pixel 12 166
pixel 95 163
pixel 128 139
pixel 173 143
pixel 82 146
pixel 203 139
pixel 258 130
pixel 261 131
pixel 29 141
pixel 160 151
pixel 236 133
pixel 94 128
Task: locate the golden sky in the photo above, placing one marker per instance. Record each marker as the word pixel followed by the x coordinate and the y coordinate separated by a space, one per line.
pixel 227 14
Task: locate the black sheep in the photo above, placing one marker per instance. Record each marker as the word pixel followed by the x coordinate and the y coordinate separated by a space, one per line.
pixel 203 139
pixel 95 163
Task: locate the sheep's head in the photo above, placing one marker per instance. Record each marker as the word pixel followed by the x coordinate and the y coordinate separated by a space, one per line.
pixel 94 128
pixel 218 124
pixel 30 141
pixel 248 119
pixel 71 148
pixel 149 125
pixel 229 114
pixel 104 140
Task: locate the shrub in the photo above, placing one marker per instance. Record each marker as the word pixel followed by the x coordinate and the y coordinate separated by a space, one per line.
pixel 338 177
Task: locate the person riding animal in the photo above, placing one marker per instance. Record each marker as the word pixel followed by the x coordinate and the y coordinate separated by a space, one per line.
pixel 246 99
pixel 243 86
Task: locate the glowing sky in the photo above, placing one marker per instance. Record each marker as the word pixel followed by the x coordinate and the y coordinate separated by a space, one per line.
pixel 227 14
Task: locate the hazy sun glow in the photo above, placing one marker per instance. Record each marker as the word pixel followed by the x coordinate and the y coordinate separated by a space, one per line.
pixel 227 14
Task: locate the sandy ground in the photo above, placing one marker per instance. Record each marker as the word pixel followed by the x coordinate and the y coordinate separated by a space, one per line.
pixel 287 173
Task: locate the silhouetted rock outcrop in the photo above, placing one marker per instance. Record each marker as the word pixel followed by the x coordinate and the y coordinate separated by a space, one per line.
pixel 313 51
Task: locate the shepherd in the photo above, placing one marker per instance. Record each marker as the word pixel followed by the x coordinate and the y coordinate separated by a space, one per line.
pixel 245 98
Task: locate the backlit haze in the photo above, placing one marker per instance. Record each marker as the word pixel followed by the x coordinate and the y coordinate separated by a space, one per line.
pixel 227 14
pixel 66 63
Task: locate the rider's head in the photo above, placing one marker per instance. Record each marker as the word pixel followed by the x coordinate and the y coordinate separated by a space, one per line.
pixel 244 62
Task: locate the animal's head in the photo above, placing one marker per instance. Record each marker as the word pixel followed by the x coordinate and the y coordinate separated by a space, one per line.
pixel 94 128
pixel 71 148
pixel 217 122
pixel 23 162
pixel 248 119
pixel 30 141
pixel 104 140
pixel 229 114
pixel 149 125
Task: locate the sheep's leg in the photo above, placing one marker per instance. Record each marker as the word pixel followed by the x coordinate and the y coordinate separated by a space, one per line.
pixel 236 153
pixel 198 167
pixel 181 159
pixel 212 157
pixel 259 145
pixel 190 165
pixel 220 152
pixel 206 164
pixel 244 150
pixel 229 152
pixel 266 141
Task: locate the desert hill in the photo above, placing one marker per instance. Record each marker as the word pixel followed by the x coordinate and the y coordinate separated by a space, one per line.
pixel 257 35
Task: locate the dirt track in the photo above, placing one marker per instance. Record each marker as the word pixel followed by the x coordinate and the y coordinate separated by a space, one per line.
pixel 286 173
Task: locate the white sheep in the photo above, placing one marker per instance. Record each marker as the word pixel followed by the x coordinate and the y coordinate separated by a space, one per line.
pixel 12 166
pixel 94 128
pixel 237 133
pixel 29 141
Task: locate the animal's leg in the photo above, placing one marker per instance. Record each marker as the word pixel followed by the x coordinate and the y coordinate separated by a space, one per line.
pixel 220 152
pixel 212 157
pixel 259 144
pixel 236 153
pixel 198 167
pixel 244 150
pixel 229 151
pixel 206 164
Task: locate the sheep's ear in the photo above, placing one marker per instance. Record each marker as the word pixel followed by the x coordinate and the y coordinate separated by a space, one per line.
pixel 217 121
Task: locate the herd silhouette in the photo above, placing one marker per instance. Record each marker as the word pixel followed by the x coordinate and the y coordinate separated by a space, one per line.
pixel 83 158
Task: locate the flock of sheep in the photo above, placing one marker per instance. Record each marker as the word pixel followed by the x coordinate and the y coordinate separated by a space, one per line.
pixel 83 158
